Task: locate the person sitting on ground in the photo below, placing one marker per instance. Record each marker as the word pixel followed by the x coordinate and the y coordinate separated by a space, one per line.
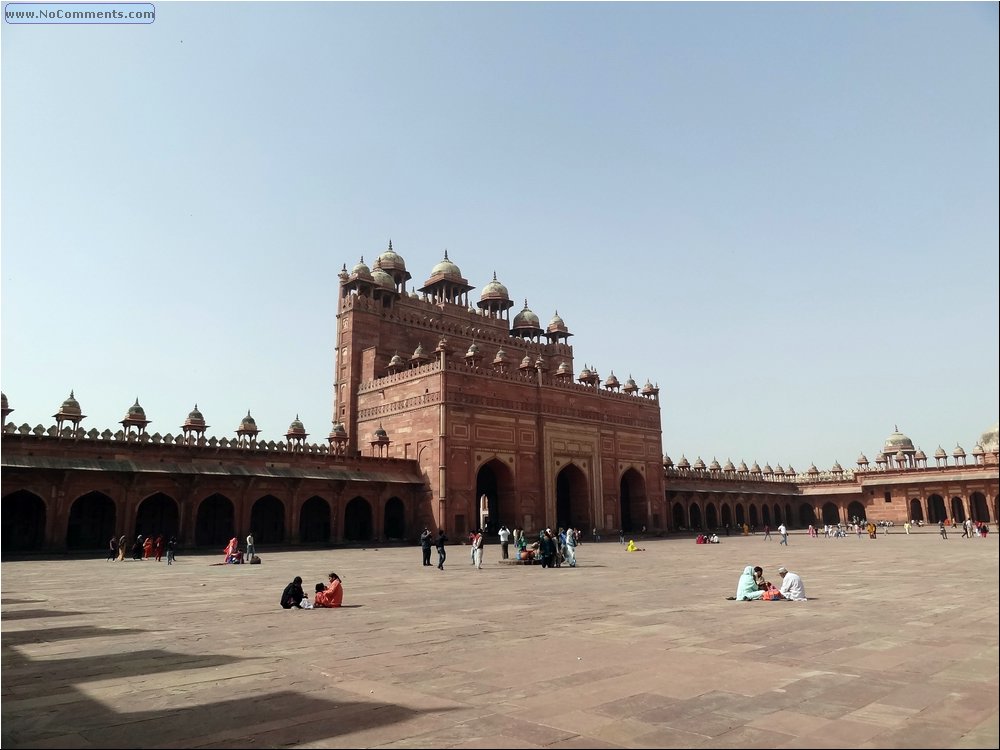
pixel 791 585
pixel 714 539
pixel 746 589
pixel 293 594
pixel 632 548
pixel 230 549
pixel 771 591
pixel 700 539
pixel 331 595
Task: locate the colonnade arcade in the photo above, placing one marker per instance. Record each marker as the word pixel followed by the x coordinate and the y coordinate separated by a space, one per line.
pixel 574 501
pixel 942 506
pixel 693 510
pixel 95 517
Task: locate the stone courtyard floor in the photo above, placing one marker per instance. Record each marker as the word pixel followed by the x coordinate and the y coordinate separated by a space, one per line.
pixel 897 647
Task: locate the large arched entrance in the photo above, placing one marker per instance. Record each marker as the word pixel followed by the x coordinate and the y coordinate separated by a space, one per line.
pixel 214 523
pixel 807 515
pixel 980 511
pixel 740 517
pixel 831 514
pixel 495 480
pixel 916 512
pixel 24 522
pixel 777 514
pixel 572 498
pixel 91 522
pixel 394 519
pixel 695 513
pixel 765 515
pixel 754 522
pixel 856 512
pixel 632 494
pixel 935 509
pixel 267 520
pixel 358 520
pixel 727 515
pixel 314 521
pixel 157 515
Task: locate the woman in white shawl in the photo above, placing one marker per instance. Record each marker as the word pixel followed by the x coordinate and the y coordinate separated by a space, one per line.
pixel 747 588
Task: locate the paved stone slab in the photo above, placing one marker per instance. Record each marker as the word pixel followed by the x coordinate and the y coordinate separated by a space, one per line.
pixel 898 647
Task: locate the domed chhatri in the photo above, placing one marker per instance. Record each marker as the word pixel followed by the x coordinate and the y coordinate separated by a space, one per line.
pixel 526 324
pixel 296 432
pixel 382 279
pixel 361 271
pixel 247 431
pixel 69 412
pixel 494 291
pixel 4 407
pixel 446 268
pixel 394 265
pixel 989 438
pixel 136 418
pixel 898 441
pixel 194 419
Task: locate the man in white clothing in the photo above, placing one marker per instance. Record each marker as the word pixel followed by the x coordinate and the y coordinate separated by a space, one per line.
pixel 791 585
pixel 504 540
pixel 783 530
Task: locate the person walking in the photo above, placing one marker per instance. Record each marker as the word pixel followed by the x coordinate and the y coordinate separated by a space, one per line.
pixel 171 550
pixel 251 549
pixel 113 549
pixel 784 534
pixel 477 549
pixel 425 545
pixel 767 532
pixel 569 548
pixel 942 530
pixel 504 535
pixel 121 547
pixel 439 543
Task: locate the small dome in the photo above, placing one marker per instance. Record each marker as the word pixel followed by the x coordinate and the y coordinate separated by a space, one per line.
pixel 699 464
pixel 630 386
pixel 473 350
pixel 526 362
pixel 564 368
pixel 296 427
pixel 194 419
pixel 3 401
pixel 248 423
pixel 729 466
pixel 446 267
pixel 790 472
pixel 419 352
pixel 338 430
pixel 743 467
pixel 978 450
pixel 768 471
pixel 897 441
pixel 361 270
pixel 501 356
pixel 683 463
pixel 862 460
pixel 397 361
pixel 755 469
pixel 612 381
pixel 939 453
pixel 714 466
pixel 667 462
pixel 382 279
pixel 557 325
pixel 837 468
pixel 391 261
pixel 585 374
pixel 135 411
pixel 779 471
pixel 813 471
pixel 958 452
pixel 71 406
pixel 380 434
pixel 648 389
pixel 881 459
pixel 920 455
pixel 494 290
pixel 525 319
pixel 900 456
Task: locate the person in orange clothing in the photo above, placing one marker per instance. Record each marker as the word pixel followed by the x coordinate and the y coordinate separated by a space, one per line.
pixel 158 547
pixel 332 595
pixel 147 548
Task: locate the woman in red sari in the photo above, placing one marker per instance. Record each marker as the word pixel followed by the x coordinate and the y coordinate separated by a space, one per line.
pixel 147 548
pixel 158 547
pixel 332 595
pixel 230 550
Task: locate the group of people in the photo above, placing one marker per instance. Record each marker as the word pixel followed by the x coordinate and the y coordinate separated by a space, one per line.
pixel 712 538
pixel 552 549
pixel 144 548
pixel 232 554
pixel 325 596
pixel 753 585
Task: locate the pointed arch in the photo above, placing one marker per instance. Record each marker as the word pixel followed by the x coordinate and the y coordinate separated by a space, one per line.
pixel 916 510
pixel 267 520
pixel 711 516
pixel 935 509
pixel 632 499
pixel 857 510
pixel 495 479
pixel 680 517
pixel 394 519
pixel 831 514
pixel 91 522
pixel 573 498
pixel 358 520
pixel 158 514
pixel 314 521
pixel 214 521
pixel 24 522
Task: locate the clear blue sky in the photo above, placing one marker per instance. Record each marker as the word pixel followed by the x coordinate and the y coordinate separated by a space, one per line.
pixel 785 215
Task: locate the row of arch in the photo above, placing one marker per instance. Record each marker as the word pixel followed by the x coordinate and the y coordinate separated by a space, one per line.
pixel 94 519
pixel 690 514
